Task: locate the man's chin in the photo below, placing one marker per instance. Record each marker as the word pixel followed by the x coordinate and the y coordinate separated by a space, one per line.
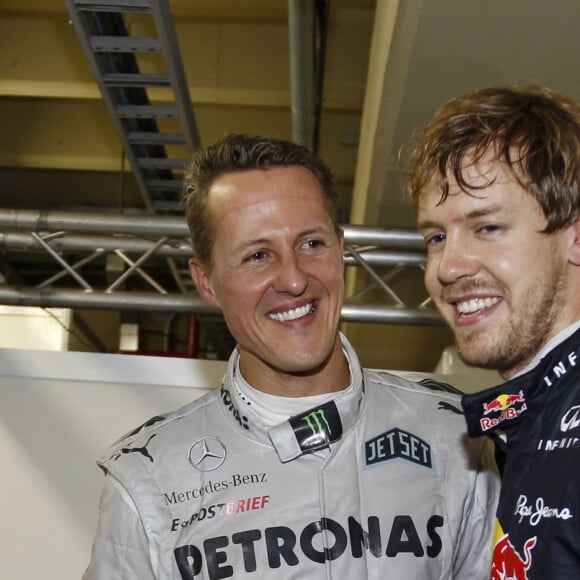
pixel 484 359
pixel 477 355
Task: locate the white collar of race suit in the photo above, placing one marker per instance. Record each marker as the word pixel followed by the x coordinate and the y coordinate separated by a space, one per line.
pixel 311 430
pixel 548 347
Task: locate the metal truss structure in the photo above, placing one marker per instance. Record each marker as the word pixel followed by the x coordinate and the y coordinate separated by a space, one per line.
pixel 157 155
pixel 139 261
pixel 129 262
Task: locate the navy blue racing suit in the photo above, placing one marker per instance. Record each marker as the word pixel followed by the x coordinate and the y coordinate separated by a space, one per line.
pixel 538 519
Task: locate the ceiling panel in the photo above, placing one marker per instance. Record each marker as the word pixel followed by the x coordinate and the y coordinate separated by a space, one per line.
pixel 389 65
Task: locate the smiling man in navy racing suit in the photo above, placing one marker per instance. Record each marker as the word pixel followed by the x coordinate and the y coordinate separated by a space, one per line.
pixel 303 464
pixel 496 179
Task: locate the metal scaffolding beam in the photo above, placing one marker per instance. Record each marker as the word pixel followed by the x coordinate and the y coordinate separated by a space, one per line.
pixel 149 301
pixel 70 242
pixel 103 29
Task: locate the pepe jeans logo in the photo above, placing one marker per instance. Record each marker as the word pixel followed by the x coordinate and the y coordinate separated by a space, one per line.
pixel 539 510
pixel 318 427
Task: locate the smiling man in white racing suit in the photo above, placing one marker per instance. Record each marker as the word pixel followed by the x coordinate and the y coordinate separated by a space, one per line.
pixel 303 465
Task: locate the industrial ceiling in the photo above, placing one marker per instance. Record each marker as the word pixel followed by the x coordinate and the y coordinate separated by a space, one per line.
pixel 386 66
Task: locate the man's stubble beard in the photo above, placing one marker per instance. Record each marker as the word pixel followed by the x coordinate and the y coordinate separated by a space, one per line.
pixel 516 342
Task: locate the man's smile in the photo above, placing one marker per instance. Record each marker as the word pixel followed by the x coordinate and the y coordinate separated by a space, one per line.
pixel 293 313
pixel 475 305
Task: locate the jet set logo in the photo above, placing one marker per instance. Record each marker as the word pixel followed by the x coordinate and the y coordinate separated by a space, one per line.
pixel 317 427
pixel 398 444
pixel 504 407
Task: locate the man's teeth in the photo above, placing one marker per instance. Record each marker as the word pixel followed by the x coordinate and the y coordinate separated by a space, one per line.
pixel 475 304
pixel 293 314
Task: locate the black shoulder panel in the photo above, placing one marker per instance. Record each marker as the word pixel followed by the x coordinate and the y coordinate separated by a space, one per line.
pixel 147 423
pixel 440 386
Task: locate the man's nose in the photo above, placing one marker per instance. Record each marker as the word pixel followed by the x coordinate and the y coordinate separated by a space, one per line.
pixel 457 260
pixel 291 276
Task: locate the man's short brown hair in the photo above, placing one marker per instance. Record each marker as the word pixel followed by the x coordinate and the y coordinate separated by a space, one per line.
pixel 533 131
pixel 241 153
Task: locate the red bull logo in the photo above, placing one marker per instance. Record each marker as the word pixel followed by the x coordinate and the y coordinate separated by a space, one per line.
pixel 506 406
pixel 507 563
pixel 503 402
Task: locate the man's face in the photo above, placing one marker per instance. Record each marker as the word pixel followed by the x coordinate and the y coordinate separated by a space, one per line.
pixel 501 285
pixel 277 270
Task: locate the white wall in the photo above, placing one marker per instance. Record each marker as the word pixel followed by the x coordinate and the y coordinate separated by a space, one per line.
pixel 58 412
pixel 31 327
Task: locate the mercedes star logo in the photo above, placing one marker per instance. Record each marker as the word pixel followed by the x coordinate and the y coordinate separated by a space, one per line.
pixel 207 454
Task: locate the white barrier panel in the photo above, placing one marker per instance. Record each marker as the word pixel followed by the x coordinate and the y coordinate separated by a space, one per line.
pixel 59 411
pixel 38 328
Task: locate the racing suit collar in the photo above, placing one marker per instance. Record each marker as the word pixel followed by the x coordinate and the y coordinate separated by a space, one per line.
pixel 311 430
pixel 504 407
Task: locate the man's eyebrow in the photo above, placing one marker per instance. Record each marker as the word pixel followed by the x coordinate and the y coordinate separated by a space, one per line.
pixel 318 230
pixel 484 211
pixel 250 244
pixel 471 215
pixel 428 224
pixel 255 242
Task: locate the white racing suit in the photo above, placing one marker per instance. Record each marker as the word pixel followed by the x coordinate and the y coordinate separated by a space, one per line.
pixel 379 483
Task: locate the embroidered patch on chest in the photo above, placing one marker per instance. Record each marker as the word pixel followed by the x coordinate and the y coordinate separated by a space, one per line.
pixel 398 444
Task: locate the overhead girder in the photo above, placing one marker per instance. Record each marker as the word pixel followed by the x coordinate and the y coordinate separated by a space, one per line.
pixel 111 52
pixel 148 225
pixel 62 234
pixel 149 301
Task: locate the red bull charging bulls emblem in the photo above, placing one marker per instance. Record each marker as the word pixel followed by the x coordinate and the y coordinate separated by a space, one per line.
pixel 507 563
pixel 504 407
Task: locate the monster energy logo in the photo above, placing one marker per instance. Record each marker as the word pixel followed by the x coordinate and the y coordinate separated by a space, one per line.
pixel 318 427
pixel 315 421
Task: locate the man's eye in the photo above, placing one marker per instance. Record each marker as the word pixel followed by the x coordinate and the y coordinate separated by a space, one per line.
pixel 313 244
pixel 434 240
pixel 255 257
pixel 490 228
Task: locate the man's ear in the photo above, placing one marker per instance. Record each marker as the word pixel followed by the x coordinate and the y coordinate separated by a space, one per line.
pixel 203 283
pixel 574 248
